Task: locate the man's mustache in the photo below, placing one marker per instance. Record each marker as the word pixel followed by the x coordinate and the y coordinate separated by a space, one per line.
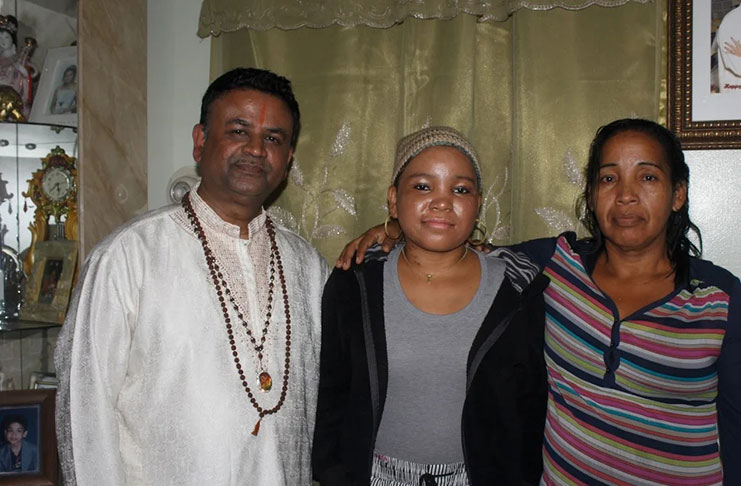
pixel 250 162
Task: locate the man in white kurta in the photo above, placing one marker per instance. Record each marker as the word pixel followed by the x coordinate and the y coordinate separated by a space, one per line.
pixel 149 393
pixel 728 41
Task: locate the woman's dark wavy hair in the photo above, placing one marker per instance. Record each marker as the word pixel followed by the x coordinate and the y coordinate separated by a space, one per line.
pixel 678 246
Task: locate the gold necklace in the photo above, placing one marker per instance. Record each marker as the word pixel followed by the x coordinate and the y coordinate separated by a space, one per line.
pixel 430 275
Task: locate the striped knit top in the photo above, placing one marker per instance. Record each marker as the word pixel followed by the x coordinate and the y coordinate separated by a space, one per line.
pixel 646 399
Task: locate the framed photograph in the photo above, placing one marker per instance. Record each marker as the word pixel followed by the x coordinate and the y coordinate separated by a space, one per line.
pixel 704 73
pixel 50 283
pixel 28 446
pixel 55 102
pixel 42 380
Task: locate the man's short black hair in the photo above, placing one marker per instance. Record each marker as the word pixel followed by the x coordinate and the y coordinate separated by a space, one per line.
pixel 259 80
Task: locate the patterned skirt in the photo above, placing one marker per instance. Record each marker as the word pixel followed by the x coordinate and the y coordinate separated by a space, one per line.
pixel 389 471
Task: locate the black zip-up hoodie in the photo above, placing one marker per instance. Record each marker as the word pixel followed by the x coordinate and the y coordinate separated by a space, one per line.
pixel 504 410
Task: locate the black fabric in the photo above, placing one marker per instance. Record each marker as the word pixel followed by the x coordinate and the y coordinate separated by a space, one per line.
pixel 504 410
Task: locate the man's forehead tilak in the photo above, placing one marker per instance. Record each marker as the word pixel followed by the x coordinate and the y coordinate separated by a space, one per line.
pixel 263 111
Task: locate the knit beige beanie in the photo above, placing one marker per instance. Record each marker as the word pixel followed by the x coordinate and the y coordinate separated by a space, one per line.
pixel 411 146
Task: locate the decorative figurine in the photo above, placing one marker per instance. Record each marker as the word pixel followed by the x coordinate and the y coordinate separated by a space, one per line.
pixel 16 71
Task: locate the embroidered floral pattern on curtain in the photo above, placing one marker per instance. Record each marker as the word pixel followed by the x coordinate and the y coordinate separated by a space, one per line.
pixel 218 16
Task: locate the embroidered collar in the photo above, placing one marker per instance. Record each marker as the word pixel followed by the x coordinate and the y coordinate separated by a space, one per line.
pixel 214 222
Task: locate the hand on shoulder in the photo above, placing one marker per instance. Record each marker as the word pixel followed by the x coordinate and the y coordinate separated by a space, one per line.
pixel 379 234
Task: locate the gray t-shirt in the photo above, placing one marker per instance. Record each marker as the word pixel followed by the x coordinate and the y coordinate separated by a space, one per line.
pixel 427 356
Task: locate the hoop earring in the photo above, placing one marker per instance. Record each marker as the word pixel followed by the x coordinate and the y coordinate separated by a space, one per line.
pixel 478 227
pixel 386 229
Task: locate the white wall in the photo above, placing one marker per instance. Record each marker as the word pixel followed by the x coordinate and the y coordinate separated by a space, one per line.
pixel 715 204
pixel 177 76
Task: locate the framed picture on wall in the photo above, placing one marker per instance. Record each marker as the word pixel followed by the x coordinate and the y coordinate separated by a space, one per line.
pixel 28 446
pixel 55 102
pixel 50 283
pixel 704 73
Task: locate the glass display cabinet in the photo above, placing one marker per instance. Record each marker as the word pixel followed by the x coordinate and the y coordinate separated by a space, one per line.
pixel 38 186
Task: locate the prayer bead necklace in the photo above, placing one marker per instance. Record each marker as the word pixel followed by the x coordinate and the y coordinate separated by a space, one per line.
pixel 264 379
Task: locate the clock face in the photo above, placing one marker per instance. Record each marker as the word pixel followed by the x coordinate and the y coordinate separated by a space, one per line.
pixel 56 184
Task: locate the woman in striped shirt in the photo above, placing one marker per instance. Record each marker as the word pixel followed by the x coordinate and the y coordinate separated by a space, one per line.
pixel 643 338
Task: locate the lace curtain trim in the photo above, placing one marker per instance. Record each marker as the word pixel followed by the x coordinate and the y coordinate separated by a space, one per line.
pixel 218 16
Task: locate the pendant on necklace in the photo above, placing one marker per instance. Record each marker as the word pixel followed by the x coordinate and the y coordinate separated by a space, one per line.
pixel 429 277
pixel 266 381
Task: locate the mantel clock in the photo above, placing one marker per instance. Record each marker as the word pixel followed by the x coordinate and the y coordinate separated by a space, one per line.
pixel 53 189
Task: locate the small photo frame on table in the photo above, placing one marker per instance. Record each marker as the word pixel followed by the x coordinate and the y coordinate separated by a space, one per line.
pixel 43 380
pixel 27 420
pixel 704 73
pixel 55 102
pixel 50 283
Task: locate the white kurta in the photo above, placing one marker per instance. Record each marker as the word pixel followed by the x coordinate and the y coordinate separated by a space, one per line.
pixel 729 65
pixel 149 393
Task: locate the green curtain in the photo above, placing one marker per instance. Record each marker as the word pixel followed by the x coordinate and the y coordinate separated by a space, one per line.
pixel 529 92
pixel 573 72
pixel 218 16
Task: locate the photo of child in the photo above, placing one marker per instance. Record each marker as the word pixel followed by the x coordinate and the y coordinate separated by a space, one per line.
pixel 19 451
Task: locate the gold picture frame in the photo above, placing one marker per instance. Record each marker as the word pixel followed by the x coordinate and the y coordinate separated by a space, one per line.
pixel 701 115
pixel 50 282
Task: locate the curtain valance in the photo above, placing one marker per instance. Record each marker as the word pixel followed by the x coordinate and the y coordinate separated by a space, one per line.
pixel 218 16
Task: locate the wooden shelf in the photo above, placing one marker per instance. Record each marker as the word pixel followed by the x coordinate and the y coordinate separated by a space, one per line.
pixel 17 325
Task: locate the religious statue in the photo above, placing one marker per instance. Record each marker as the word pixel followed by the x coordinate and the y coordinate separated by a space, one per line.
pixel 16 70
